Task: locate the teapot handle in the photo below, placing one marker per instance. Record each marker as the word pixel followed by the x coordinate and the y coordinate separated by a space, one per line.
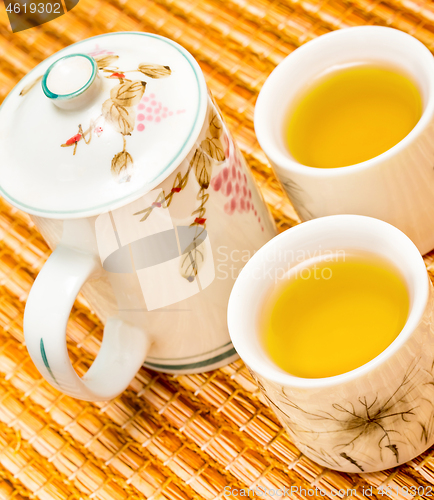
pixel 124 346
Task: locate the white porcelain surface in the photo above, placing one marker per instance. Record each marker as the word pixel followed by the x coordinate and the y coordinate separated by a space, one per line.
pixel 156 266
pixel 43 178
pixel 69 75
pixel 397 186
pixel 376 416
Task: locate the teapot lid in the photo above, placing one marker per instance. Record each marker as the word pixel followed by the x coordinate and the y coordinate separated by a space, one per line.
pixel 99 124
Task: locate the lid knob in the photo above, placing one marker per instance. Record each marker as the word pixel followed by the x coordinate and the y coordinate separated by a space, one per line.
pixel 72 81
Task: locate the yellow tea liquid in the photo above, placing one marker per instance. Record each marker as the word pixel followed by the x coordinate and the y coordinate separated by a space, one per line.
pixel 352 115
pixel 328 318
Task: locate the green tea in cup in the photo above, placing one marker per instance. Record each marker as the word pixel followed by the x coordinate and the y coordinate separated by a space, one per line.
pixel 351 115
pixel 328 317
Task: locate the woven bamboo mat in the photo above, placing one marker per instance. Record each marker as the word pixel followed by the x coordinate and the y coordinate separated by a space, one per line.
pixel 168 437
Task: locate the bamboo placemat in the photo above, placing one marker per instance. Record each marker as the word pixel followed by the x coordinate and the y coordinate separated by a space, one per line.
pixel 168 437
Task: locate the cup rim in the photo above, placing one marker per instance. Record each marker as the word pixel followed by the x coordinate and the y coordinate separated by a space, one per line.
pixel 267 94
pixel 275 374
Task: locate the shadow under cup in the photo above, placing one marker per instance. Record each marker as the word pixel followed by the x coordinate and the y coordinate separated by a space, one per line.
pixel 396 186
pixel 367 419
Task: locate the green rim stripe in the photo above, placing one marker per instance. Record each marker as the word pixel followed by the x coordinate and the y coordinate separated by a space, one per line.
pixel 195 356
pixel 45 360
pixel 112 202
pixel 192 366
pixel 52 95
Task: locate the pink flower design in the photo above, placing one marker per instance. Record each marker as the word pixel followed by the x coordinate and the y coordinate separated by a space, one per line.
pixel 231 181
pixel 97 51
pixel 156 112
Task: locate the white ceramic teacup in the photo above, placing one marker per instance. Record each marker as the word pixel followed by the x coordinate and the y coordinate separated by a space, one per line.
pixel 376 416
pixel 131 175
pixel 396 186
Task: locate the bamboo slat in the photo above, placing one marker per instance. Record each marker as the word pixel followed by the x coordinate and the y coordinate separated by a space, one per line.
pixel 168 437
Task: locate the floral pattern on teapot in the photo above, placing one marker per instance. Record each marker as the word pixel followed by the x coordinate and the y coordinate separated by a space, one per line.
pixel 119 110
